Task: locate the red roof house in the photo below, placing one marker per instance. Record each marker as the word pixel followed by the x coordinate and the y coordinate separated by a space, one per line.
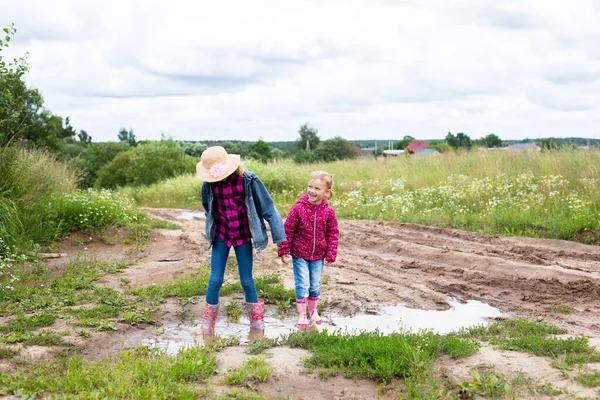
pixel 415 147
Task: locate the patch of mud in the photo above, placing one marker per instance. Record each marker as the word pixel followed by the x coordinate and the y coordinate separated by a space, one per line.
pixel 378 263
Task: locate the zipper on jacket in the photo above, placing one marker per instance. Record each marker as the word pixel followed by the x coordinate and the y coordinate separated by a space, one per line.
pixel 314 234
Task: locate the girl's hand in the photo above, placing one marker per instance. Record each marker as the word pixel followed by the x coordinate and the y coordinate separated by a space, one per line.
pixel 286 258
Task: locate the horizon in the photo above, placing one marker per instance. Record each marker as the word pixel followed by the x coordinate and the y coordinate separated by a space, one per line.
pixel 366 69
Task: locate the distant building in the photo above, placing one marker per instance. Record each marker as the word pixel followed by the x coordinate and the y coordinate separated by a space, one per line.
pixel 416 147
pixel 392 153
pixel 427 152
pixel 519 147
pixel 367 152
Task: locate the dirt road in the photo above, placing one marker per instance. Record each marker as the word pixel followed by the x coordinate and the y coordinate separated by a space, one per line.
pixel 419 266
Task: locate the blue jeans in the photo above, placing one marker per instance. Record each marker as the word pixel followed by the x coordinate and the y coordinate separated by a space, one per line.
pixel 218 262
pixel 307 276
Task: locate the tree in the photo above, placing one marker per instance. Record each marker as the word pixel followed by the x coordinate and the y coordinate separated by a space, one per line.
pixel 459 141
pixel 84 138
pixel 309 139
pixel 261 150
pixel 451 140
pixel 491 140
pixel 17 102
pixel 400 145
pixel 548 144
pixel 127 136
pixel 463 140
pixel 194 149
pixel 336 148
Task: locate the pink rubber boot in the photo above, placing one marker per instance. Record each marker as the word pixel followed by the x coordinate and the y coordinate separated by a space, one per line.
pixel 210 319
pixel 313 302
pixel 257 314
pixel 301 306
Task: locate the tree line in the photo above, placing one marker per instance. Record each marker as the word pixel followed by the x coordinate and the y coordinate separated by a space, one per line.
pixel 26 122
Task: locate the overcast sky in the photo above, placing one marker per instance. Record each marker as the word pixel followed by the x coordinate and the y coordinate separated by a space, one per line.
pixel 372 69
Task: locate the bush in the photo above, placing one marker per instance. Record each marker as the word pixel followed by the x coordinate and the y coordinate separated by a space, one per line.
pixel 89 209
pixel 91 159
pixel 28 180
pixel 146 164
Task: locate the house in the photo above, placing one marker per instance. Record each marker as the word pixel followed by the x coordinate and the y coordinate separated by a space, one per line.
pixel 367 152
pixel 392 153
pixel 519 147
pixel 415 147
pixel 427 152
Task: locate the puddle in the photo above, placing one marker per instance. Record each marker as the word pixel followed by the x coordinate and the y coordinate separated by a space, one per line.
pixel 190 215
pixel 389 319
pixel 181 335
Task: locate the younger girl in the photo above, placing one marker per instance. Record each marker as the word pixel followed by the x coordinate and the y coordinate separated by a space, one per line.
pixel 236 203
pixel 312 236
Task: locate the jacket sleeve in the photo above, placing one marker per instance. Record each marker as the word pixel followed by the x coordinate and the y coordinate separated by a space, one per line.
pixel 205 190
pixel 291 224
pixel 331 235
pixel 268 210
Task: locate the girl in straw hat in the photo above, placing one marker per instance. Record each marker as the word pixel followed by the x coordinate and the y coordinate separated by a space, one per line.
pixel 236 203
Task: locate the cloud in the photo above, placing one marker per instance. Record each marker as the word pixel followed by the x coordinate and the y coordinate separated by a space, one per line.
pixel 356 68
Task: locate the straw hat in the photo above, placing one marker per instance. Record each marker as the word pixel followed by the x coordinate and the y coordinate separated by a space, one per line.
pixel 216 164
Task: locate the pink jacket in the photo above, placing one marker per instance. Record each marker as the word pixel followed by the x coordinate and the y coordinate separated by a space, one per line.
pixel 311 231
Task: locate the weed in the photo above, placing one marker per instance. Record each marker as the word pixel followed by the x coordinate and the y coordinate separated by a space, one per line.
pixel 135 374
pixel 237 394
pixel 562 309
pixel 162 224
pixel 590 379
pixel 24 323
pixel 7 353
pixel 549 390
pixel 377 356
pixel 233 311
pixel 254 370
pixel 84 334
pixel 259 346
pixel 534 338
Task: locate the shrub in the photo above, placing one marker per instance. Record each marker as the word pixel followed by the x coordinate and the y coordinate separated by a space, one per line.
pixel 146 164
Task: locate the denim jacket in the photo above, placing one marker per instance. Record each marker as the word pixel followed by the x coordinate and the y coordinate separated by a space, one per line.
pixel 260 206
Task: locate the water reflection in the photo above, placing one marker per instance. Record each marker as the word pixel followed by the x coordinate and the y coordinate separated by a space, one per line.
pixel 389 319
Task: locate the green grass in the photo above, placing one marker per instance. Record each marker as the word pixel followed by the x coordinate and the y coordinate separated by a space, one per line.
pixel 259 346
pixel 377 356
pixel 135 374
pixel 254 370
pixel 25 323
pixel 536 338
pixel 589 379
pixel 553 194
pixel 237 394
pixel 7 353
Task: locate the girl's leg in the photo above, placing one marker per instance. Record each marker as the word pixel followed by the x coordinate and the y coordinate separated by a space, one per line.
pixel 302 281
pixel 301 278
pixel 314 291
pixel 218 261
pixel 245 261
pixel 315 269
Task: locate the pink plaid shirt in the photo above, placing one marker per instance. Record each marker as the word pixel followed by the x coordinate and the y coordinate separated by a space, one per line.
pixel 231 216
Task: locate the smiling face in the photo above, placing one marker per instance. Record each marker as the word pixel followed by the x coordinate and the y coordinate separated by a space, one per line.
pixel 317 190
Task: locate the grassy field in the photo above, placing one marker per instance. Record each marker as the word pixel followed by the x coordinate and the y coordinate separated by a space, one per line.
pixel 550 194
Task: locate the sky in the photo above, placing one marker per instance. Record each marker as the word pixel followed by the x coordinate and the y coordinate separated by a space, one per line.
pixel 370 69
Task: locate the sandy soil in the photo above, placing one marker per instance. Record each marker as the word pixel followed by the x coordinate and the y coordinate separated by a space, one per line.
pixel 380 263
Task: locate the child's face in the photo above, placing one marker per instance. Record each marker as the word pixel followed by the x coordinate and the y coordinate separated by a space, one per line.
pixel 317 190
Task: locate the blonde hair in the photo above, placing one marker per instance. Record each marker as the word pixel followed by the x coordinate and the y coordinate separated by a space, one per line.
pixel 240 170
pixel 325 177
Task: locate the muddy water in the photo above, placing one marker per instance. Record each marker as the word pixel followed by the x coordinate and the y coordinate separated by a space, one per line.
pixel 190 215
pixel 388 319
